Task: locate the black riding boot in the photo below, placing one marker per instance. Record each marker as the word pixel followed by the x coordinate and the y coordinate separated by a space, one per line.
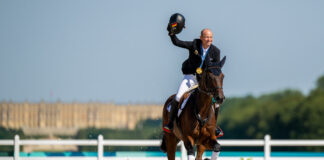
pixel 173 113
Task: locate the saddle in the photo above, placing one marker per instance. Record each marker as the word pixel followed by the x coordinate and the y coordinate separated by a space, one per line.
pixel 183 101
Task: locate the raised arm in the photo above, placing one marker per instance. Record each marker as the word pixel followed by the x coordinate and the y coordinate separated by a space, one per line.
pixel 179 43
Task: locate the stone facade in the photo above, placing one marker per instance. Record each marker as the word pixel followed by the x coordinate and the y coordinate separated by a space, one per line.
pixel 67 118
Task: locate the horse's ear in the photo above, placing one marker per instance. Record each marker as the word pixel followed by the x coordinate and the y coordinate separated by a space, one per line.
pixel 222 62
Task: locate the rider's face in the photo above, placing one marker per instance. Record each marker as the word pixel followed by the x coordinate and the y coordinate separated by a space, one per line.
pixel 206 38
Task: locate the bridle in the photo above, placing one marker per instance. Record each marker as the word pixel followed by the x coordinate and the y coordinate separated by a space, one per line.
pixel 210 91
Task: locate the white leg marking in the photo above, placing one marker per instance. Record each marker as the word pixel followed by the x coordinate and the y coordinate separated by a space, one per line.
pixel 191 157
pixel 215 156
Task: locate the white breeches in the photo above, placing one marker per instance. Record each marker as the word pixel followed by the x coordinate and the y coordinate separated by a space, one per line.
pixel 188 81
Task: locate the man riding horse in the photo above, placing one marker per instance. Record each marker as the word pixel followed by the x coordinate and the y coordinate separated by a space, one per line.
pixel 199 50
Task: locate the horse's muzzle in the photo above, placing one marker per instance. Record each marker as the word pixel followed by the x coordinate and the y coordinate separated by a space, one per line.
pixel 220 99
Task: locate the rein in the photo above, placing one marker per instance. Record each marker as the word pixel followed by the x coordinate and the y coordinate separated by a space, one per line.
pixel 210 92
pixel 202 121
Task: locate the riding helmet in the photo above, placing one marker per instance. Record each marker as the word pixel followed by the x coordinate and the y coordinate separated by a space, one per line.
pixel 176 23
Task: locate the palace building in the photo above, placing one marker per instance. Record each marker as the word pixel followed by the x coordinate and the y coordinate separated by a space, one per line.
pixel 67 118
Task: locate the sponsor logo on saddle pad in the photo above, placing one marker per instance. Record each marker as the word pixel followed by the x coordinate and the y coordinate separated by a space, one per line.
pixel 182 105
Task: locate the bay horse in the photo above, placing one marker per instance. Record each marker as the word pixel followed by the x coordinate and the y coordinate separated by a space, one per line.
pixel 197 123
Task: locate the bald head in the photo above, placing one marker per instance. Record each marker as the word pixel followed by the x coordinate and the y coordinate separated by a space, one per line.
pixel 206 37
pixel 205 30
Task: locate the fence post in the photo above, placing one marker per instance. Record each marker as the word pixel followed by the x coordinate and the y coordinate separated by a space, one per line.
pixel 100 147
pixel 16 148
pixel 267 147
pixel 183 151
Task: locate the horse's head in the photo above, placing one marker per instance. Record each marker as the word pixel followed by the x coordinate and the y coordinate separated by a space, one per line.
pixel 211 81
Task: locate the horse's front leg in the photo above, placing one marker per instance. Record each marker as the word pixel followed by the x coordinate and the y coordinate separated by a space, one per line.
pixel 200 151
pixel 189 145
pixel 216 151
pixel 213 145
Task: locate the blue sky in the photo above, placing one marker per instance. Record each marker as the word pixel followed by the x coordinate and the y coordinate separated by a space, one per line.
pixel 119 51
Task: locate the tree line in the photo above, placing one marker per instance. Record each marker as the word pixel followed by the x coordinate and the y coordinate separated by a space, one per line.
pixel 286 114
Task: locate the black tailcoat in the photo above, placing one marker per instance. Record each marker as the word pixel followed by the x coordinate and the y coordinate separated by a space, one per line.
pixel 190 65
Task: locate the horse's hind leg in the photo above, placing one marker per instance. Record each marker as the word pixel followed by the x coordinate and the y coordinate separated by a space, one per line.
pixel 170 142
pixel 163 145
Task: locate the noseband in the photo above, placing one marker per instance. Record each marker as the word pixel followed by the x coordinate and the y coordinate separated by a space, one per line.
pixel 209 91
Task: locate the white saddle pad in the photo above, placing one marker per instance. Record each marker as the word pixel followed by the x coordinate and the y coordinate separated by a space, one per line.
pixel 182 105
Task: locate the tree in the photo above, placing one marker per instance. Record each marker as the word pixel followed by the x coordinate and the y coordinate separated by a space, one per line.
pixel 320 83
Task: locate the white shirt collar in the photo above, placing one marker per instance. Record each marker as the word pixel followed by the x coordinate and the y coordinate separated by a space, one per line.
pixel 205 50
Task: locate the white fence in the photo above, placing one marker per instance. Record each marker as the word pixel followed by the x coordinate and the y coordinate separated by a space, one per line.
pixel 267 143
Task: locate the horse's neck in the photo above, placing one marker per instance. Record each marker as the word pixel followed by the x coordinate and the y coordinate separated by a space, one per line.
pixel 204 102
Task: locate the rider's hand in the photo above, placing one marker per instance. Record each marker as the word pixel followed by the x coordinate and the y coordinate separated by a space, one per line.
pixel 170 29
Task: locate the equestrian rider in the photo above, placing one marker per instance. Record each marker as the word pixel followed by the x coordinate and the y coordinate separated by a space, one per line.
pixel 199 50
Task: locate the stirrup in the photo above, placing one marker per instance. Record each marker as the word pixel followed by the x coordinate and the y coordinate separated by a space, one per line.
pixel 166 129
pixel 219 132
